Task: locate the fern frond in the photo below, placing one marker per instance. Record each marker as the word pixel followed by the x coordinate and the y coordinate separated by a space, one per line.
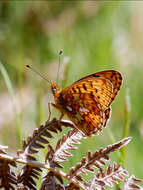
pixel 71 186
pixel 32 146
pixel 29 173
pixel 58 155
pixel 49 181
pixel 53 156
pixel 39 137
pixel 96 159
pixel 22 187
pixel 132 184
pixel 67 142
pixel 7 176
pixel 111 176
pixel 49 158
pixel 27 176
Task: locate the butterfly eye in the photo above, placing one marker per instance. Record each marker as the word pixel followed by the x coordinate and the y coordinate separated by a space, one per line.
pixel 54 90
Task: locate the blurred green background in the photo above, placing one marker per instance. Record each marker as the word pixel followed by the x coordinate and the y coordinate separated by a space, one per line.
pixel 95 35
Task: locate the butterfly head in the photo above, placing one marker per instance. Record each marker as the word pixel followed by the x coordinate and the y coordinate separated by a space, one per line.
pixel 55 88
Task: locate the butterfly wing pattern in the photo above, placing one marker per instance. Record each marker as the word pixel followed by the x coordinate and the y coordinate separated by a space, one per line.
pixel 87 101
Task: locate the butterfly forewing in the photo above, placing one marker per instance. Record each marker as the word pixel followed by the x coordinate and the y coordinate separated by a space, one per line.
pixel 113 76
pixel 87 101
pixel 99 89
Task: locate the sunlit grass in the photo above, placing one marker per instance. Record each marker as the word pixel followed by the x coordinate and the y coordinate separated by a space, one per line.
pixel 12 95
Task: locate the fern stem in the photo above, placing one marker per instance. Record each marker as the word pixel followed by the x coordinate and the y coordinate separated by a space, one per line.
pixel 41 165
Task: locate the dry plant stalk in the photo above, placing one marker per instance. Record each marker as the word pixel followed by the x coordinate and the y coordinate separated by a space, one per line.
pixel 93 162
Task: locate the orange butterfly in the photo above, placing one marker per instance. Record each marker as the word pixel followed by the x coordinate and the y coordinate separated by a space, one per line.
pixel 87 101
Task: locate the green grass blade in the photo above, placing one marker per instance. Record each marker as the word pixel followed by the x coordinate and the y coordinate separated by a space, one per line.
pixel 126 124
pixel 12 95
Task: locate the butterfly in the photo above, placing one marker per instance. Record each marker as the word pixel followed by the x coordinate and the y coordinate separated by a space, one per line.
pixel 87 101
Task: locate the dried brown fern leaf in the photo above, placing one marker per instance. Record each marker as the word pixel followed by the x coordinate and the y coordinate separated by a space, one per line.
pixel 58 155
pixel 34 165
pixel 54 156
pixel 49 158
pixel 71 186
pixel 132 184
pixel 92 159
pixel 22 187
pixel 40 135
pixel 50 182
pixel 111 176
pixel 67 142
pixel 95 160
pixel 7 177
pixel 29 173
pixel 27 177
pixel 32 145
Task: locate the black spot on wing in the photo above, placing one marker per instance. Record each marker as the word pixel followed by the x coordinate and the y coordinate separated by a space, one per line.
pixel 79 89
pixel 96 75
pixel 74 90
pixel 91 84
pixel 84 87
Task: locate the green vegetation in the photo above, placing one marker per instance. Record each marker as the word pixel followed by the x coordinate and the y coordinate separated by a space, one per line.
pixel 95 36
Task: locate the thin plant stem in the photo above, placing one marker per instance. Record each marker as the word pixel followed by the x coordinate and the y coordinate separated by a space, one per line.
pixel 11 92
pixel 113 140
pixel 40 111
pixel 126 127
pixel 66 71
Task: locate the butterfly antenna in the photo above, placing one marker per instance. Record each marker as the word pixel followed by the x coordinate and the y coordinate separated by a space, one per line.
pixel 35 71
pixel 60 53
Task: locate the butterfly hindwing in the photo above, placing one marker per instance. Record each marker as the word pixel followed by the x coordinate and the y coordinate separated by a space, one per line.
pixel 85 112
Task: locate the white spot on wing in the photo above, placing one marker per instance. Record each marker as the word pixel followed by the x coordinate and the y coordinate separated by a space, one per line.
pixel 69 108
pixel 82 109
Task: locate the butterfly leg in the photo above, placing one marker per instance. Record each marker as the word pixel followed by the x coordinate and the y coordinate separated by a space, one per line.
pixel 62 114
pixel 54 105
